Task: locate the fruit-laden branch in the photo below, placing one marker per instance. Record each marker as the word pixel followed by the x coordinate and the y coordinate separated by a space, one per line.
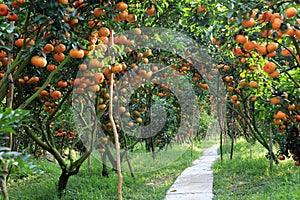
pixel 29 100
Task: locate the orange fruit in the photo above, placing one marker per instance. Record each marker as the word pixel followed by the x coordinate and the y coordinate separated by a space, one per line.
pixel 234 97
pixel 276 24
pixel 116 68
pixel 291 107
pixel 277 121
pixel 19 42
pixel 82 67
pixel 55 94
pixel 290 31
pixel 151 11
pixel 241 39
pixel 275 100
pixel 216 41
pixel 103 32
pixel 272 47
pixel 48 48
pixel 287 52
pixel 269 67
pixel 250 45
pixel 275 16
pixel 261 49
pixel 12 17
pixel 290 12
pixel 51 67
pixel 62 84
pixel 274 74
pixel 2 54
pixel 280 115
pixel 248 23
pixel 253 84
pixel 59 57
pixel 101 106
pixel 64 2
pixel 99 78
pixel 75 53
pixel 38 61
pixel 121 6
pixel 131 18
pixel 60 48
pixel 3 10
pixel 98 12
pixel 201 9
pixel 139 120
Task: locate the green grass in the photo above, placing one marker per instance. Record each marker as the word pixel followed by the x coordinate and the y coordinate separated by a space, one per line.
pixel 91 185
pixel 246 178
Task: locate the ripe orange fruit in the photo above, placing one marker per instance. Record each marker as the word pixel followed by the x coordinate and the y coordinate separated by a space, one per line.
pixel 261 49
pixel 151 11
pixel 12 17
pixel 103 32
pixel 216 41
pixel 82 67
pixel 98 12
pixel 51 67
pixel 62 84
pixel 99 78
pixel 234 97
pixel 48 48
pixel 280 115
pixel 116 68
pixel 272 47
pixel 101 106
pixel 291 107
pixel 249 46
pixel 201 9
pixel 131 18
pixel 287 52
pixel 64 2
pixel 275 100
pixel 277 121
pixel 241 39
pixel 275 16
pixel 60 48
pixel 290 31
pixel 55 94
pixel 38 61
pixel 3 10
pixel 253 84
pixel 276 24
pixel 139 120
pixel 2 54
pixel 75 53
pixel 19 42
pixel 274 74
pixel 290 12
pixel 59 57
pixel 248 23
pixel 121 6
pixel 269 67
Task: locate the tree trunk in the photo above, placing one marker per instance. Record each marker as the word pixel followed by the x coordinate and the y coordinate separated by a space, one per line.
pixel 62 183
pixel 231 146
pixel 3 187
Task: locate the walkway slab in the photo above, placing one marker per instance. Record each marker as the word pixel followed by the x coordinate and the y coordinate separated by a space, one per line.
pixel 195 182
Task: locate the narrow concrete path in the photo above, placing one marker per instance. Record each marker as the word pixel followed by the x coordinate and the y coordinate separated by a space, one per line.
pixel 195 182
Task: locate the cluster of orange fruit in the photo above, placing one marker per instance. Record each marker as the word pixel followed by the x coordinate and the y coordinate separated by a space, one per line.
pixel 69 134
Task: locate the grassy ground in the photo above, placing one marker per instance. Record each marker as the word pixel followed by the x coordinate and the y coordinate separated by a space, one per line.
pixel 91 185
pixel 246 178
